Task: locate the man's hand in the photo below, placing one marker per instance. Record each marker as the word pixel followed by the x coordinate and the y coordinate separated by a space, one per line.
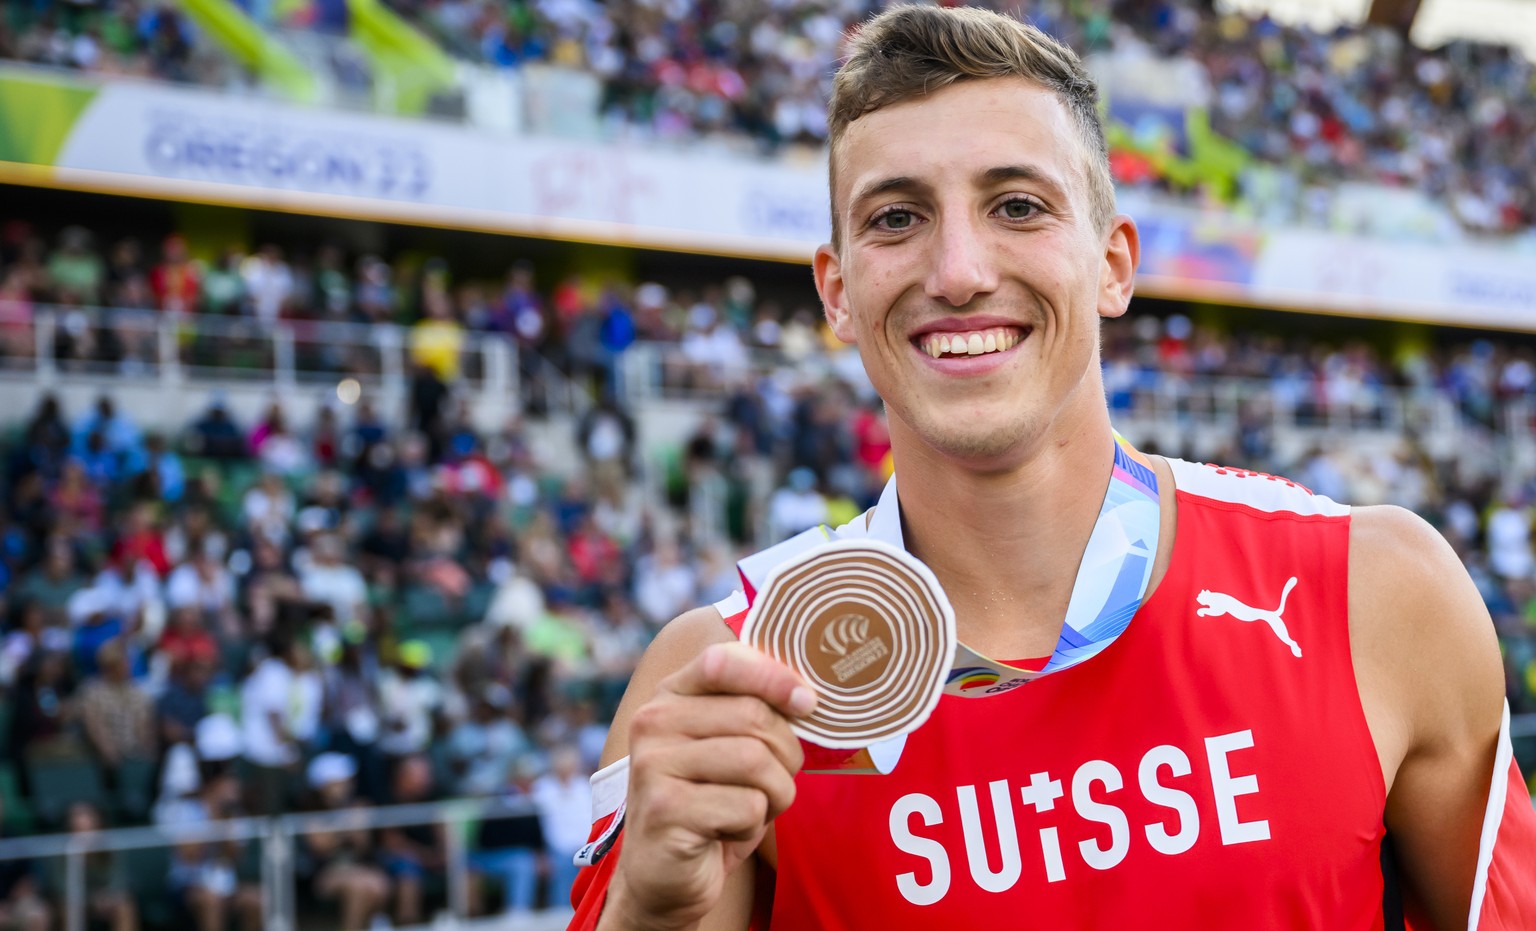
pixel 712 763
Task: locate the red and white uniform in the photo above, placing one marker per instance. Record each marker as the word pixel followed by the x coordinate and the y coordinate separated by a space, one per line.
pixel 1197 773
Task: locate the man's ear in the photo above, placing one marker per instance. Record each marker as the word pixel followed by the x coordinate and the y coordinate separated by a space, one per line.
pixel 828 268
pixel 1117 274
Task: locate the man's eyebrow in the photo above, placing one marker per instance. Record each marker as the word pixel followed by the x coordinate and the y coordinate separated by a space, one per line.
pixel 900 183
pixel 1005 173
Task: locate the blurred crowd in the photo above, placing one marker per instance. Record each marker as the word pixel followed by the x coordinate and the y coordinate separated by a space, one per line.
pixel 1457 123
pixel 246 619
pixel 260 615
pixel 113 38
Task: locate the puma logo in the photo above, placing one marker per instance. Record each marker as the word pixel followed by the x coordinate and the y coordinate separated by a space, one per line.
pixel 1215 604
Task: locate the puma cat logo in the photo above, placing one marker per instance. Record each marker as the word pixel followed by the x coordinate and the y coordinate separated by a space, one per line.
pixel 1215 604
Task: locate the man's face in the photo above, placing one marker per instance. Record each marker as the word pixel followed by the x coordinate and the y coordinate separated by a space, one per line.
pixel 966 220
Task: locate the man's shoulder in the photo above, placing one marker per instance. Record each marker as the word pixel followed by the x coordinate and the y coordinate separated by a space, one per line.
pixel 1395 554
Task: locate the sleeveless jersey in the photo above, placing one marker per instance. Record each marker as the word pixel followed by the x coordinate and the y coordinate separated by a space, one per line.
pixel 1210 769
pixel 1196 774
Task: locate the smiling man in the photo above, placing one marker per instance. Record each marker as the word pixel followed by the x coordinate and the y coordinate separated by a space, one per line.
pixel 1215 722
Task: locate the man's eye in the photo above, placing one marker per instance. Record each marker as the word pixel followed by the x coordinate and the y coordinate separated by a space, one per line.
pixel 1018 209
pixel 895 219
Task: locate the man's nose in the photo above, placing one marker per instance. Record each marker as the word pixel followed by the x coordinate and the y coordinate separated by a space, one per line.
pixel 962 267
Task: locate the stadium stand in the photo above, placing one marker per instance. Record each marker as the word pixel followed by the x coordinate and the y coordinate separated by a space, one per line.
pixel 1457 123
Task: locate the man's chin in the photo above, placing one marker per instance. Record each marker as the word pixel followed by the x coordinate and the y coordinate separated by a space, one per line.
pixel 982 449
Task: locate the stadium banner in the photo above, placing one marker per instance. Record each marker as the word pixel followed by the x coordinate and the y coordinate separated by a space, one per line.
pixel 154 140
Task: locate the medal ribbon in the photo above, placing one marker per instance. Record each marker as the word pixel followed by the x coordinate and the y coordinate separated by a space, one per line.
pixel 1110 585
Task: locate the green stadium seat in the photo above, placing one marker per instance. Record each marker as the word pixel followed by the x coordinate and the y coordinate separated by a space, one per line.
pixel 135 790
pixel 147 871
pixel 18 817
pixel 423 606
pixel 477 601
pixel 58 782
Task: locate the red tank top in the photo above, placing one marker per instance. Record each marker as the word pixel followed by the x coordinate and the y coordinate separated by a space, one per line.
pixel 1196 774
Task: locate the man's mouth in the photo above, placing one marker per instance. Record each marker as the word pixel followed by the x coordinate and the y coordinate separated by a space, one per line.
pixel 955 344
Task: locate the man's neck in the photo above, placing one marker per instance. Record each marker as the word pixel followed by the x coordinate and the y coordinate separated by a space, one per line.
pixel 1006 544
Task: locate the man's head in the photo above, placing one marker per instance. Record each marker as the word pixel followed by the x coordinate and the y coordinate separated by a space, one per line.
pixel 976 247
pixel 112 660
pixel 412 779
pixel 912 51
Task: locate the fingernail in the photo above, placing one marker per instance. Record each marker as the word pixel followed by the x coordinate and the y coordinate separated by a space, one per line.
pixel 802 700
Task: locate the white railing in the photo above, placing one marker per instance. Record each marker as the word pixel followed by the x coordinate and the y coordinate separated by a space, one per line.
pixel 178 349
pixel 276 837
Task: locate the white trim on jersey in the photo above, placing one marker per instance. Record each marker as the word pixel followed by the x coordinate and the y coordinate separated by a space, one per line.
pixel 1491 819
pixel 1252 489
pixel 734 604
pixel 609 786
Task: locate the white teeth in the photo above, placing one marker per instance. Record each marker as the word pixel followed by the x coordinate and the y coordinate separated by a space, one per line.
pixel 973 344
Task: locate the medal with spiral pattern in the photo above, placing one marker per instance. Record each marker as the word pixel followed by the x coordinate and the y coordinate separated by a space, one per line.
pixel 868 627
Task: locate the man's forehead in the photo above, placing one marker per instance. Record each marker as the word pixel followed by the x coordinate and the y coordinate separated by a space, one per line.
pixel 970 126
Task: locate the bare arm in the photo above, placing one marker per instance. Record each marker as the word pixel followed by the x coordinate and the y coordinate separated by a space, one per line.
pixel 680 721
pixel 1432 685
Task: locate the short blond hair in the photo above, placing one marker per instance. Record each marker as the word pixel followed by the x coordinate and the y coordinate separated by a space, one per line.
pixel 910 50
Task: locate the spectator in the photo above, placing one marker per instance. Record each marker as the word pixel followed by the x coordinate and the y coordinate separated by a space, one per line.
pixel 437 340
pixel 22 906
pixel 117 716
pixel 176 281
pixel 108 896
pixel 512 846
pixel 268 284
pixel 269 587
pixel 141 542
pixel 205 876
pixel 279 712
pixel 429 403
pixel 665 585
pixel 564 802
pixel 269 508
pixel 223 287
pixel 75 266
pixel 118 432
pixel 163 475
pixel 28 635
pixel 560 635
pixel 483 747
pixel 187 640
pixel 277 448
pixel 50 584
pixel 797 506
pixel 204 584
pixel 217 436
pixel 330 581
pixel 184 703
pixel 1509 539
pixel 619 639
pixel 712 348
pixel 410 853
pixel 77 501
pixel 43 711
pixel 409 699
pixel 338 864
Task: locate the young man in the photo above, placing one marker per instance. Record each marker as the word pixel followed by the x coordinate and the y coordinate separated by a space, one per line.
pixel 1218 765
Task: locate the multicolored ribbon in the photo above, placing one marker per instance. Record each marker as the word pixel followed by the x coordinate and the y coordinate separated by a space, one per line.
pixel 1111 580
